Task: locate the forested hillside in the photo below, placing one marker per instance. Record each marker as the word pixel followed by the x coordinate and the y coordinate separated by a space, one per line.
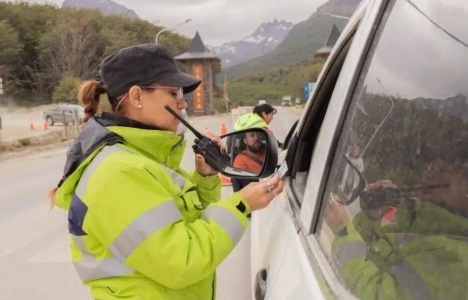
pixel 42 46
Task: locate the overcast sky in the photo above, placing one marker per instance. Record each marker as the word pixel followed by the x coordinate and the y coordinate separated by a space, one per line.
pixel 218 21
pixel 416 58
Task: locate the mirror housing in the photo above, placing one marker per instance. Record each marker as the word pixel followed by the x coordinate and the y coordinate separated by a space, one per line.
pixel 349 183
pixel 253 154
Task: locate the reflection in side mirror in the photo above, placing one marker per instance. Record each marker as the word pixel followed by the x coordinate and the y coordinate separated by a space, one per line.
pixel 252 152
pixel 349 182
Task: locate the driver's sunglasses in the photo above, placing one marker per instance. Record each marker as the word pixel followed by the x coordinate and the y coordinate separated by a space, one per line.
pixel 179 92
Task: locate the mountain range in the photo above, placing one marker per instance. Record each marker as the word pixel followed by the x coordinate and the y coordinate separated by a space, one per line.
pixel 263 40
pixel 273 47
pixel 106 7
pixel 302 40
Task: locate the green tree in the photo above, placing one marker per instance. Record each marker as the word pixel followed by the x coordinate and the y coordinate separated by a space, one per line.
pixel 10 49
pixel 67 90
pixel 41 45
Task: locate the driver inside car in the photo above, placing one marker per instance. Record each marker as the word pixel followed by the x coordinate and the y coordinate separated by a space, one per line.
pixel 253 157
pixel 402 247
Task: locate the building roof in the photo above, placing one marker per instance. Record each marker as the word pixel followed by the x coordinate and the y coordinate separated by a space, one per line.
pixel 197 50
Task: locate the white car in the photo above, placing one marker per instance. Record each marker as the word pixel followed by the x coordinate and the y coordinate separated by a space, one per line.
pixel 262 102
pixel 397 77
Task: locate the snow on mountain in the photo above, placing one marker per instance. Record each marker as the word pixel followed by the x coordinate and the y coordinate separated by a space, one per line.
pixel 263 40
pixel 106 7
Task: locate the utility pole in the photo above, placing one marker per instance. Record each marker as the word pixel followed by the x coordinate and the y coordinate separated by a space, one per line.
pixel 1 112
pixel 167 29
pixel 225 94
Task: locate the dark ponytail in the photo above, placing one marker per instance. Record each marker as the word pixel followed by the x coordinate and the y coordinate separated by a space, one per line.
pixel 256 110
pixel 88 95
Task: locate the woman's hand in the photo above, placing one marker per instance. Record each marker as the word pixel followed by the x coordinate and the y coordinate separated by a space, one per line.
pixel 217 139
pixel 260 194
pixel 384 183
pixel 335 214
pixel 202 167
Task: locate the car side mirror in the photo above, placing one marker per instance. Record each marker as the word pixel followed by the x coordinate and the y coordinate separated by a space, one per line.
pixel 349 182
pixel 253 153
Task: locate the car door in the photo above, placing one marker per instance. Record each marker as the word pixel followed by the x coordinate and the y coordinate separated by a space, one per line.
pixel 282 267
pixel 393 130
pixel 55 113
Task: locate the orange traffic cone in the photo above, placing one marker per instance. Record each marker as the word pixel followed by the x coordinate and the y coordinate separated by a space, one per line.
pixel 225 180
pixel 45 126
pixel 31 125
pixel 223 129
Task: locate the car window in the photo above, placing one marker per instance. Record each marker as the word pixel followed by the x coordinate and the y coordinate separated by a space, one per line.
pixel 394 216
pixel 313 122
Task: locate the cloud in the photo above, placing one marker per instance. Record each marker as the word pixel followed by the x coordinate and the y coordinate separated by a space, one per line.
pixel 416 58
pixel 218 21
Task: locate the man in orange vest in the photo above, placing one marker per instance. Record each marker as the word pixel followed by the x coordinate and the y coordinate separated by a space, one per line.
pixel 253 157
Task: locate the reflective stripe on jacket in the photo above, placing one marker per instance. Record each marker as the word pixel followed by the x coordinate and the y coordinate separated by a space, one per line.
pixel 141 228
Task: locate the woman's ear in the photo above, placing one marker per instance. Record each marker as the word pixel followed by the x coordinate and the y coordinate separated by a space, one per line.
pixel 134 95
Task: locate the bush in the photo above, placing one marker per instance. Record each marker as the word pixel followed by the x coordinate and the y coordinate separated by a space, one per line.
pixel 67 90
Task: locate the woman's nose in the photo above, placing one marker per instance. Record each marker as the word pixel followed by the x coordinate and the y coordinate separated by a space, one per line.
pixel 182 104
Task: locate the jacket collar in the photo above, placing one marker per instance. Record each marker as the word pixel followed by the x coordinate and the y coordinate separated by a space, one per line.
pixel 164 147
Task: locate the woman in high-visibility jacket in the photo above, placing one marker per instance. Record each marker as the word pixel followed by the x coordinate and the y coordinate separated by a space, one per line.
pixel 140 226
pixel 261 116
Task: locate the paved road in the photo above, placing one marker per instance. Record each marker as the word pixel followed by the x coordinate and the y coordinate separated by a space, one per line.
pixel 16 122
pixel 34 255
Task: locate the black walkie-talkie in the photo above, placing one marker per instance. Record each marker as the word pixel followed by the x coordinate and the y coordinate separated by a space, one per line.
pixel 205 146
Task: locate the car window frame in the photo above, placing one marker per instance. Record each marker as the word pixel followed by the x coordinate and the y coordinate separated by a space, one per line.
pixel 308 234
pixel 317 102
pixel 341 98
pixel 332 284
pixel 317 259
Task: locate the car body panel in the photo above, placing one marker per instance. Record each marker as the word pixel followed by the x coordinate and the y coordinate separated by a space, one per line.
pixel 279 241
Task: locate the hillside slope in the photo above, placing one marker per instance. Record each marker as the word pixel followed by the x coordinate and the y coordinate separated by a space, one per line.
pixel 263 40
pixel 302 41
pixel 273 83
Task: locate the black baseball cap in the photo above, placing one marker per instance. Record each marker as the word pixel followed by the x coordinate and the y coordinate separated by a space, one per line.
pixel 141 65
pixel 264 108
pixel 268 108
